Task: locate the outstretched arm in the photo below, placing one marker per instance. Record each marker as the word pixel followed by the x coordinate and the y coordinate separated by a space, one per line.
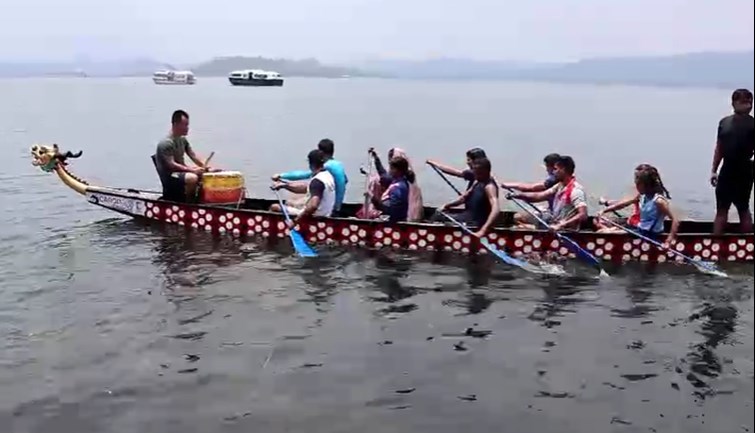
pixel 296 187
pixel 446 169
pixel 535 197
pixel 621 204
pixel 525 187
pixel 295 175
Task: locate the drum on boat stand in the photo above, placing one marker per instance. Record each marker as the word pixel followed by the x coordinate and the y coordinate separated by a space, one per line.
pixel 222 187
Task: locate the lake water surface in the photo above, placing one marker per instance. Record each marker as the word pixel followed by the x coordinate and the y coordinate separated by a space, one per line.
pixel 108 325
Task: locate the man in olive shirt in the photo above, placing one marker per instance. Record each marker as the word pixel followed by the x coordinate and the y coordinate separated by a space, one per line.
pixel 735 145
pixel 180 180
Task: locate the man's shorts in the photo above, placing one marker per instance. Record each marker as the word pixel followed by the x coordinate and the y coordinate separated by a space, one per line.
pixel 175 188
pixel 734 190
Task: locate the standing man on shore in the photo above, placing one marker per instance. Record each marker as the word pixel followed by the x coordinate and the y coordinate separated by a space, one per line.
pixel 735 146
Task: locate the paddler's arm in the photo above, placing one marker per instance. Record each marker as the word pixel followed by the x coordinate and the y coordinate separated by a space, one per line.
pixel 534 197
pixel 621 204
pixel 579 200
pixel 524 187
pixel 492 193
pixel 717 155
pixel 316 190
pixel 166 156
pixel 446 169
pixel 296 188
pixel 193 156
pixel 459 200
pixel 379 165
pixel 293 175
pixel 665 209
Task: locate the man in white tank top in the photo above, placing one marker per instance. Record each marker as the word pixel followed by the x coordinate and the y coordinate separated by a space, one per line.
pixel 321 190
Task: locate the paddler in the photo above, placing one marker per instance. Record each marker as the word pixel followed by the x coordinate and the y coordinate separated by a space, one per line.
pixel 467 173
pixel 378 184
pixel 327 147
pixel 320 190
pixel 394 200
pixel 550 180
pixel 633 219
pixel 480 200
pixel 735 146
pixel 652 199
pixel 568 195
pixel 180 179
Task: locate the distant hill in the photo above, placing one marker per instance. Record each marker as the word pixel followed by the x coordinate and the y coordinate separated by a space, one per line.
pixel 123 68
pixel 708 69
pixel 444 68
pixel 729 70
pixel 222 66
pixel 714 69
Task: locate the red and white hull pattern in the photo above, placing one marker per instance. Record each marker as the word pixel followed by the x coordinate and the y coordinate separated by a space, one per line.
pixel 249 223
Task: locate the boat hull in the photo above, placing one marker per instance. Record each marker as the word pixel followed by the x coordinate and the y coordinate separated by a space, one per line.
pixel 277 82
pixel 173 82
pixel 246 223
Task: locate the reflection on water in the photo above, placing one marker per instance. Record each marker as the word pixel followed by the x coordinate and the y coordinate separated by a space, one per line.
pixel 250 333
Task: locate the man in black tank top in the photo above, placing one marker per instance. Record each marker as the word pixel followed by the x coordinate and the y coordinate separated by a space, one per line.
pixel 481 199
pixel 735 146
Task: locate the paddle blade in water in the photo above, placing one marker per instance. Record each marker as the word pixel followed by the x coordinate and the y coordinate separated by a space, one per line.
pixel 710 269
pixel 517 262
pixel 301 246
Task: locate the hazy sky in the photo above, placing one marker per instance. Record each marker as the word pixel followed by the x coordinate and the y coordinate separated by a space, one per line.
pixel 352 30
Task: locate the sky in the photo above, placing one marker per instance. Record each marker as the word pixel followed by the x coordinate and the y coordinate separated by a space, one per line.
pixel 347 31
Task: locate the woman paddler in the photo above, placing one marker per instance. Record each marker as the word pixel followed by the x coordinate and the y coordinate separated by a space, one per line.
pixel 386 182
pixel 652 199
pixel 633 219
pixel 393 202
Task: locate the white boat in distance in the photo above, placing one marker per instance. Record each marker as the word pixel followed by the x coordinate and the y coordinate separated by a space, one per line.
pixel 174 77
pixel 255 77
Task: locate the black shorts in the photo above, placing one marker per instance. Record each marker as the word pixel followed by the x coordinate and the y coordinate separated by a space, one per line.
pixel 175 187
pixel 734 189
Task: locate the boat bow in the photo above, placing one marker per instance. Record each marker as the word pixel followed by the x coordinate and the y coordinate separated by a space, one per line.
pixel 51 159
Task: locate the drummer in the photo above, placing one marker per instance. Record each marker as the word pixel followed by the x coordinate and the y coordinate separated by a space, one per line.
pixel 181 180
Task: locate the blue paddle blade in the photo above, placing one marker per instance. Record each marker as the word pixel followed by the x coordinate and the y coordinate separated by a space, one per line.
pixel 300 245
pixel 517 262
pixel 709 268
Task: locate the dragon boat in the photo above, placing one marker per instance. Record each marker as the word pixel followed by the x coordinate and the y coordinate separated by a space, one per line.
pixel 224 209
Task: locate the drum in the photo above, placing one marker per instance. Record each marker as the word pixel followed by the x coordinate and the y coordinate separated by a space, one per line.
pixel 222 187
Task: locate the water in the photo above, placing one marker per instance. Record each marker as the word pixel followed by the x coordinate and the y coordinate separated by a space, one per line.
pixel 112 326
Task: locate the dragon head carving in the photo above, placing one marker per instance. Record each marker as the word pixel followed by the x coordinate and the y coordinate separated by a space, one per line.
pixel 47 158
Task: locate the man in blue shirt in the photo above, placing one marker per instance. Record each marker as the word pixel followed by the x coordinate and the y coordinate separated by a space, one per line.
pixel 333 166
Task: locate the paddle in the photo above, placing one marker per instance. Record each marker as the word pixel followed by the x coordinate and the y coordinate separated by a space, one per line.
pixel 297 240
pixel 367 182
pixel 579 251
pixel 496 252
pixel 705 267
pixel 443 176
